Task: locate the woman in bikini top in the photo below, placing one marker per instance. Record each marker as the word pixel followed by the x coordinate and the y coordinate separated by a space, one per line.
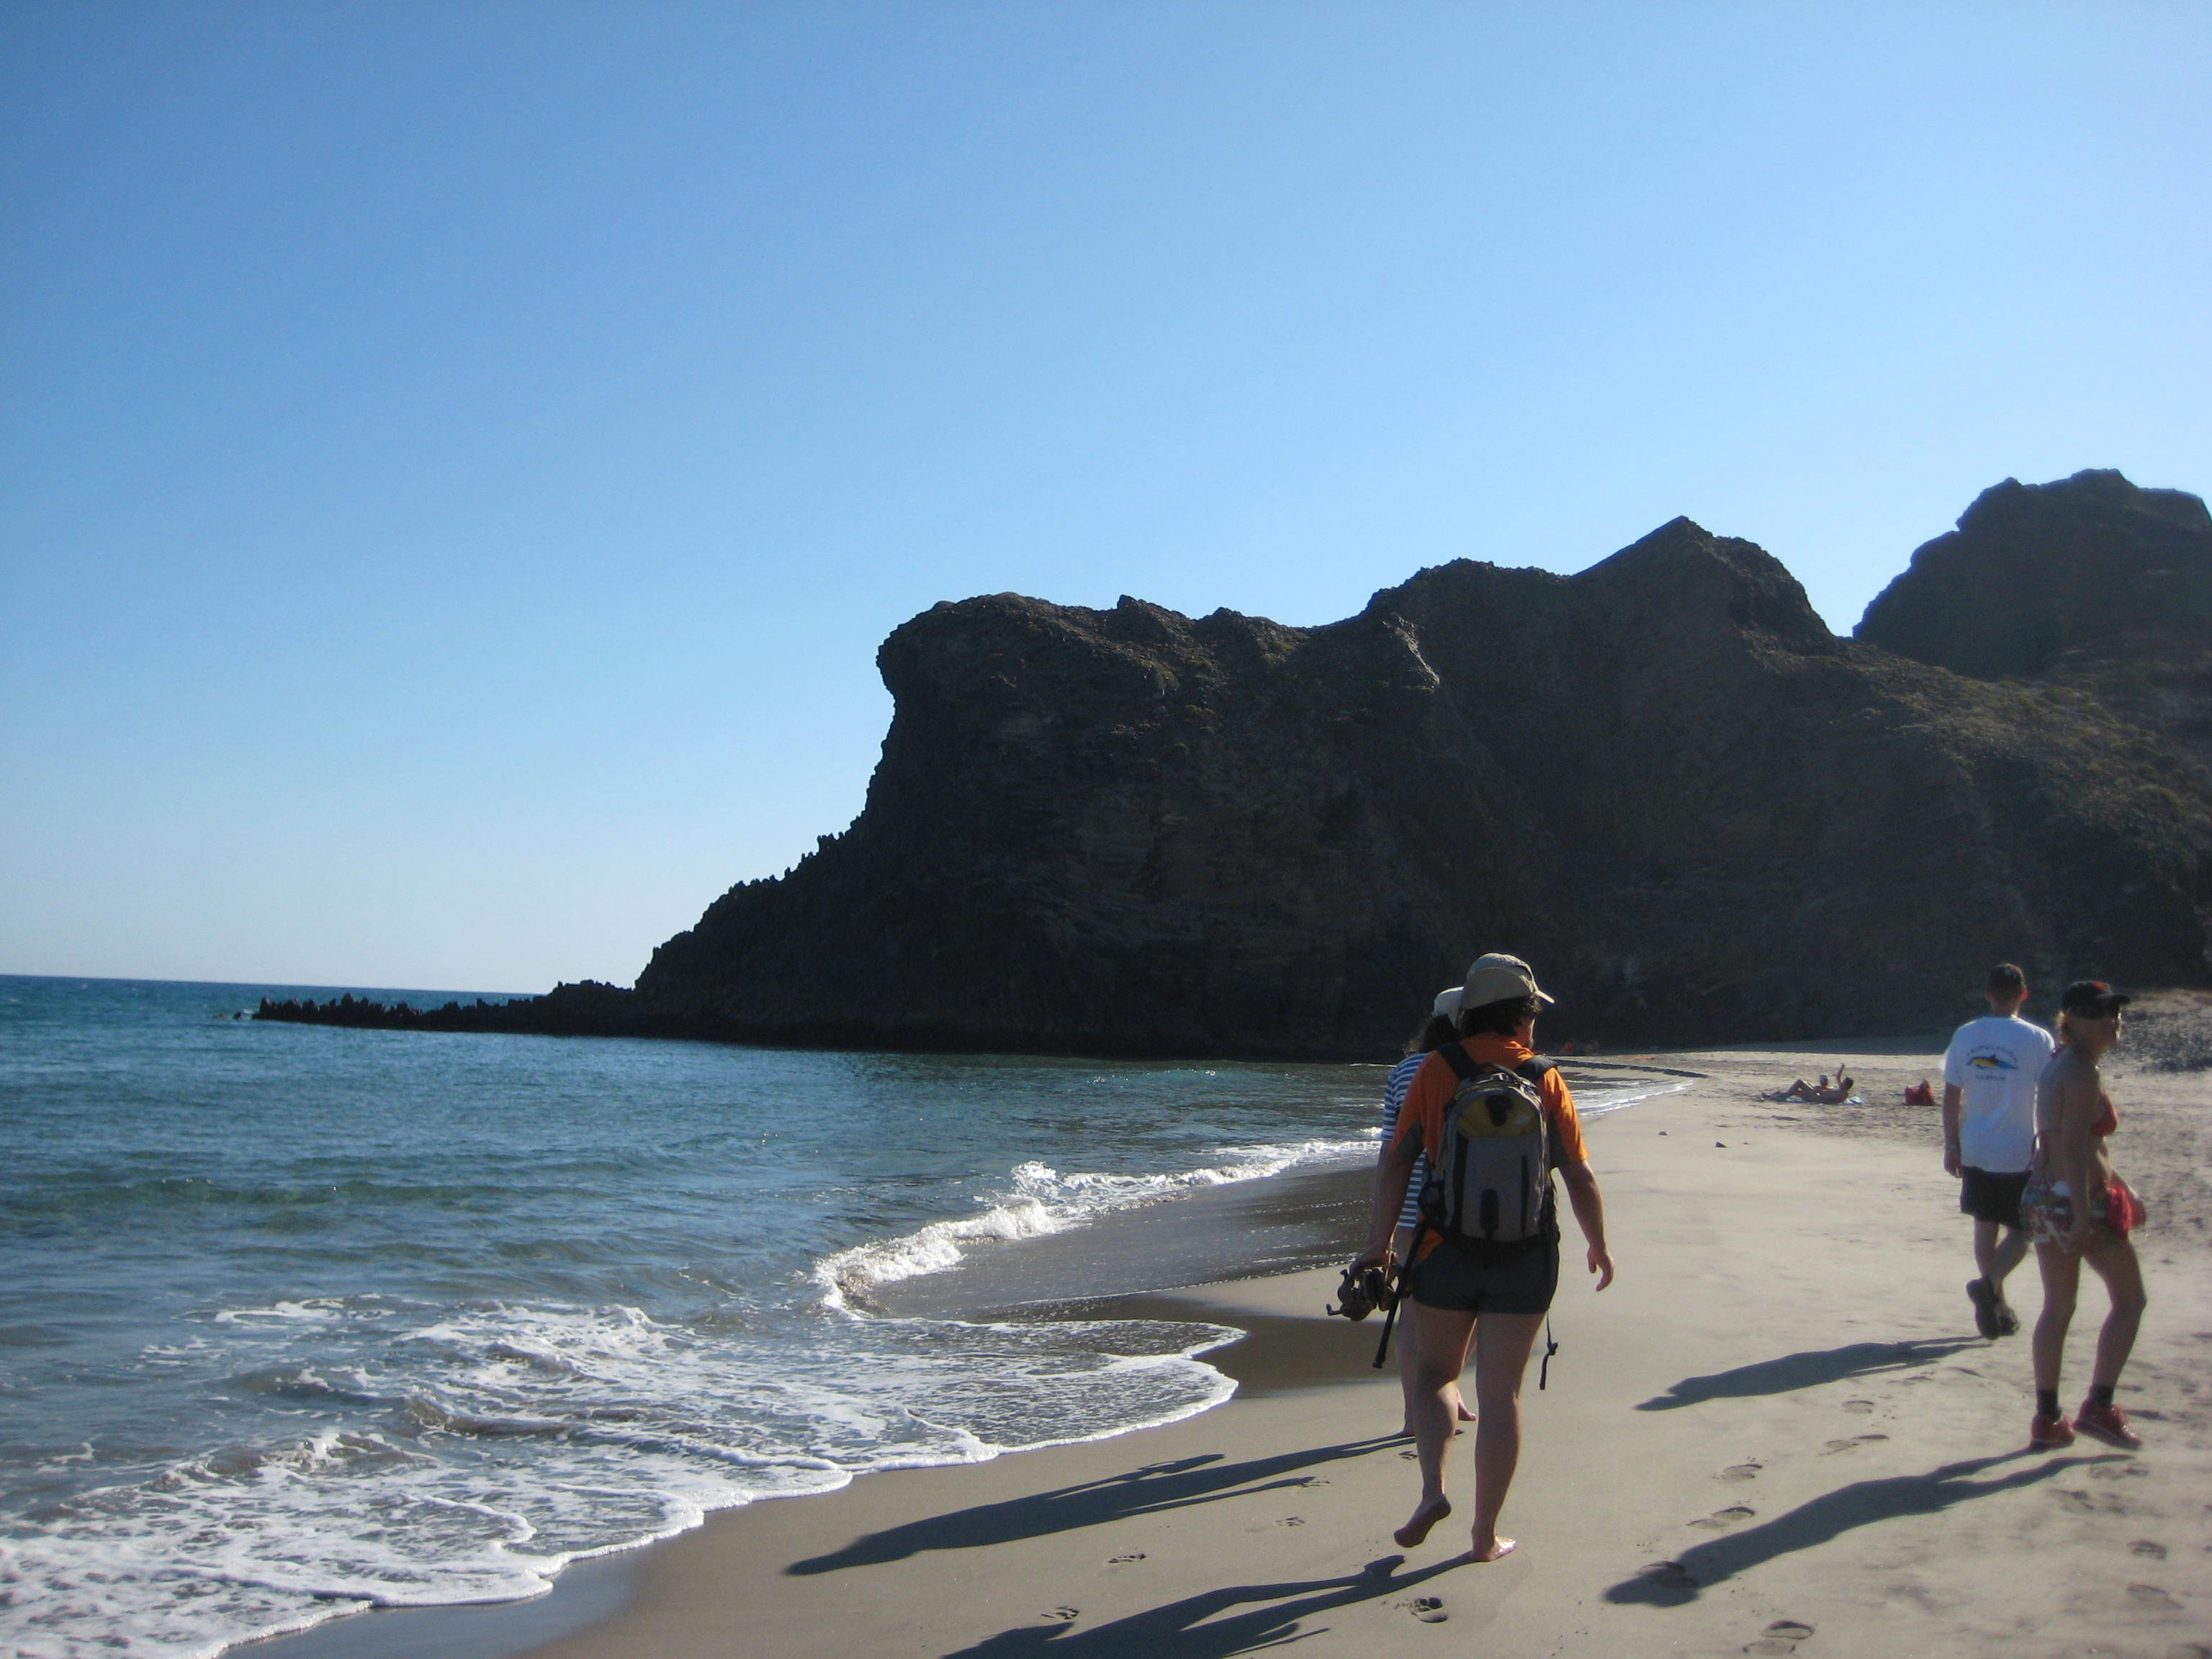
pixel 2077 1209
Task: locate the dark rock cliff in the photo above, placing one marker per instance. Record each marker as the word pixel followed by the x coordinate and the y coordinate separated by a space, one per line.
pixel 1699 813
pixel 1664 781
pixel 2089 582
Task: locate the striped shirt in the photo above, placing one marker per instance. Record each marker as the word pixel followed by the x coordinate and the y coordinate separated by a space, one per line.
pixel 1394 1098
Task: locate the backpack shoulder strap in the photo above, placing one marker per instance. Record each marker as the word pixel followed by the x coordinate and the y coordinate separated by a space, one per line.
pixel 1535 1069
pixel 1457 1058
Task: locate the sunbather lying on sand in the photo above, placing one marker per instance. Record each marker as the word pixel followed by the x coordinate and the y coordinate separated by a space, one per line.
pixel 1818 1094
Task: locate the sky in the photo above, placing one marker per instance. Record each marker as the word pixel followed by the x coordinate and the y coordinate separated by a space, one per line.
pixel 458 461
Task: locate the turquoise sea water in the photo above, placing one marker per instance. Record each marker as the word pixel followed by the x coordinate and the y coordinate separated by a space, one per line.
pixel 297 1321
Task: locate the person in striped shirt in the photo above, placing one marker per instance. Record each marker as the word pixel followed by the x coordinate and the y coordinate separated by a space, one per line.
pixel 1442 1026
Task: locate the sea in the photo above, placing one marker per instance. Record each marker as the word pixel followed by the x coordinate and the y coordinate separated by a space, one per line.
pixel 297 1322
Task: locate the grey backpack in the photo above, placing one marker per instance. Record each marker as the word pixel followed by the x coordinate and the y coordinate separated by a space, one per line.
pixel 1490 1182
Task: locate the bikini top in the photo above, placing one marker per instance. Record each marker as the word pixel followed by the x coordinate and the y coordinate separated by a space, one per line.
pixel 2046 1104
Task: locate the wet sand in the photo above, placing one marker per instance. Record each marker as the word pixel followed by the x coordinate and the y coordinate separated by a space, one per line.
pixel 1780 1418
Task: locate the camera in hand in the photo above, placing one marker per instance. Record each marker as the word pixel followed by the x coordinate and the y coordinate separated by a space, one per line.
pixel 1361 1291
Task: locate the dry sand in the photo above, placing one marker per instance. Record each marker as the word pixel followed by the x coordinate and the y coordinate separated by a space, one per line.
pixel 1779 1419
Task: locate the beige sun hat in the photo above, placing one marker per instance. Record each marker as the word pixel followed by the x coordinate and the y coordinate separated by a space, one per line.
pixel 1495 977
pixel 1447 1001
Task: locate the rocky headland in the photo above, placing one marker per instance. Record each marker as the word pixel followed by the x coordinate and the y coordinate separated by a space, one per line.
pixel 1703 815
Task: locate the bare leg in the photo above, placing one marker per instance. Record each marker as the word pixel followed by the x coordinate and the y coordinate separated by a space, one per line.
pixel 1502 1342
pixel 1409 1338
pixel 1409 1361
pixel 1409 1349
pixel 2114 1260
pixel 1443 1338
pixel 2011 1250
pixel 1998 1251
pixel 2061 1282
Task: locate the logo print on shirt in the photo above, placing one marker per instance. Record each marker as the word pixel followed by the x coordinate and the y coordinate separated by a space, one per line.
pixel 1993 1060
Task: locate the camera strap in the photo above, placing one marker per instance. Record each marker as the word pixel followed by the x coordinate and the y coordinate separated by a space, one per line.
pixel 1404 1271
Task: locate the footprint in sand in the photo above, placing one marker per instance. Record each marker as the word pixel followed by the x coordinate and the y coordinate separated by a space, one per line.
pixel 1410 1456
pixel 1783 1635
pixel 1739 1472
pixel 1123 1560
pixel 1862 1406
pixel 1721 1520
pixel 1429 1609
pixel 1292 1521
pixel 2085 1502
pixel 2145 1547
pixel 1060 1615
pixel 2152 1599
pixel 1830 1448
pixel 1670 1574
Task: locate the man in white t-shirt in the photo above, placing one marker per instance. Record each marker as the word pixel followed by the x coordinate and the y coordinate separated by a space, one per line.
pixel 1989 1135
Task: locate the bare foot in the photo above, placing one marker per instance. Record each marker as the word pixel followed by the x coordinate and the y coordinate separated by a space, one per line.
pixel 1465 1415
pixel 1424 1519
pixel 1498 1548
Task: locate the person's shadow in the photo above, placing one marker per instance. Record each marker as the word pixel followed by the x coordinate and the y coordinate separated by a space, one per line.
pixel 1803 1370
pixel 1147 1490
pixel 1670 1583
pixel 1189 1629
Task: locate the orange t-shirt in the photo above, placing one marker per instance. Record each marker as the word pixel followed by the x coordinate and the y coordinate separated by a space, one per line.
pixel 1435 1083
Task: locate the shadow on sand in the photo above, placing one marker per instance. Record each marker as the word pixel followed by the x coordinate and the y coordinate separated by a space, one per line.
pixel 1151 1490
pixel 1670 1583
pixel 1804 1370
pixel 1192 1629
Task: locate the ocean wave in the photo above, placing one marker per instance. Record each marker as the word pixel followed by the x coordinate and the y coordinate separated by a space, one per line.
pixel 1598 1103
pixel 1043 1200
pixel 481 1451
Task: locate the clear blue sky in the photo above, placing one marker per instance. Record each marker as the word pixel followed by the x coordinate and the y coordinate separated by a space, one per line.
pixel 457 461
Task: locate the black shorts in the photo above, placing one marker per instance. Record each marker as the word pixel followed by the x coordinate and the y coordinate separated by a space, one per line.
pixel 1464 1281
pixel 1991 1195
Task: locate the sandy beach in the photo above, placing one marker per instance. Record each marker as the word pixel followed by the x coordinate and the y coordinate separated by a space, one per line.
pixel 1778 1432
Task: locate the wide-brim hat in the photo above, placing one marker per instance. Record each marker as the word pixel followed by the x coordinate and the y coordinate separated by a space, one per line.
pixel 1495 978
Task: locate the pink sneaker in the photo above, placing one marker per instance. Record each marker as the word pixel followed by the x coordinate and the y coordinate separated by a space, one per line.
pixel 2046 1433
pixel 2108 1424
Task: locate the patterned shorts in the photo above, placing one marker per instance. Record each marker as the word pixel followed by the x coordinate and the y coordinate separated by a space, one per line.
pixel 2046 1210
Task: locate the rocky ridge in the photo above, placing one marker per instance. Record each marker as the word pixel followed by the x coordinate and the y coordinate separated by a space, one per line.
pixel 1702 815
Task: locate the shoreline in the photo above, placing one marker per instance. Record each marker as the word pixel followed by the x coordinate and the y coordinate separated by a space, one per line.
pixel 1704 1360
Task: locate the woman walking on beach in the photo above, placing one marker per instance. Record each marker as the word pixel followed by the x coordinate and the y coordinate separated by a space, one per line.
pixel 2074 1118
pixel 1487 1261
pixel 1441 1027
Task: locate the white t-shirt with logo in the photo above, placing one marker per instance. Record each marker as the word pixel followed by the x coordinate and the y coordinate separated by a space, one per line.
pixel 1994 1062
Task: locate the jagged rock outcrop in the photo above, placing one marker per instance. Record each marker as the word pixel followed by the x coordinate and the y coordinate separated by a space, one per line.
pixel 1662 780
pixel 2089 582
pixel 1703 815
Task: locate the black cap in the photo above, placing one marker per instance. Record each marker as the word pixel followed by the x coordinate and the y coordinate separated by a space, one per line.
pixel 2006 977
pixel 2092 997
